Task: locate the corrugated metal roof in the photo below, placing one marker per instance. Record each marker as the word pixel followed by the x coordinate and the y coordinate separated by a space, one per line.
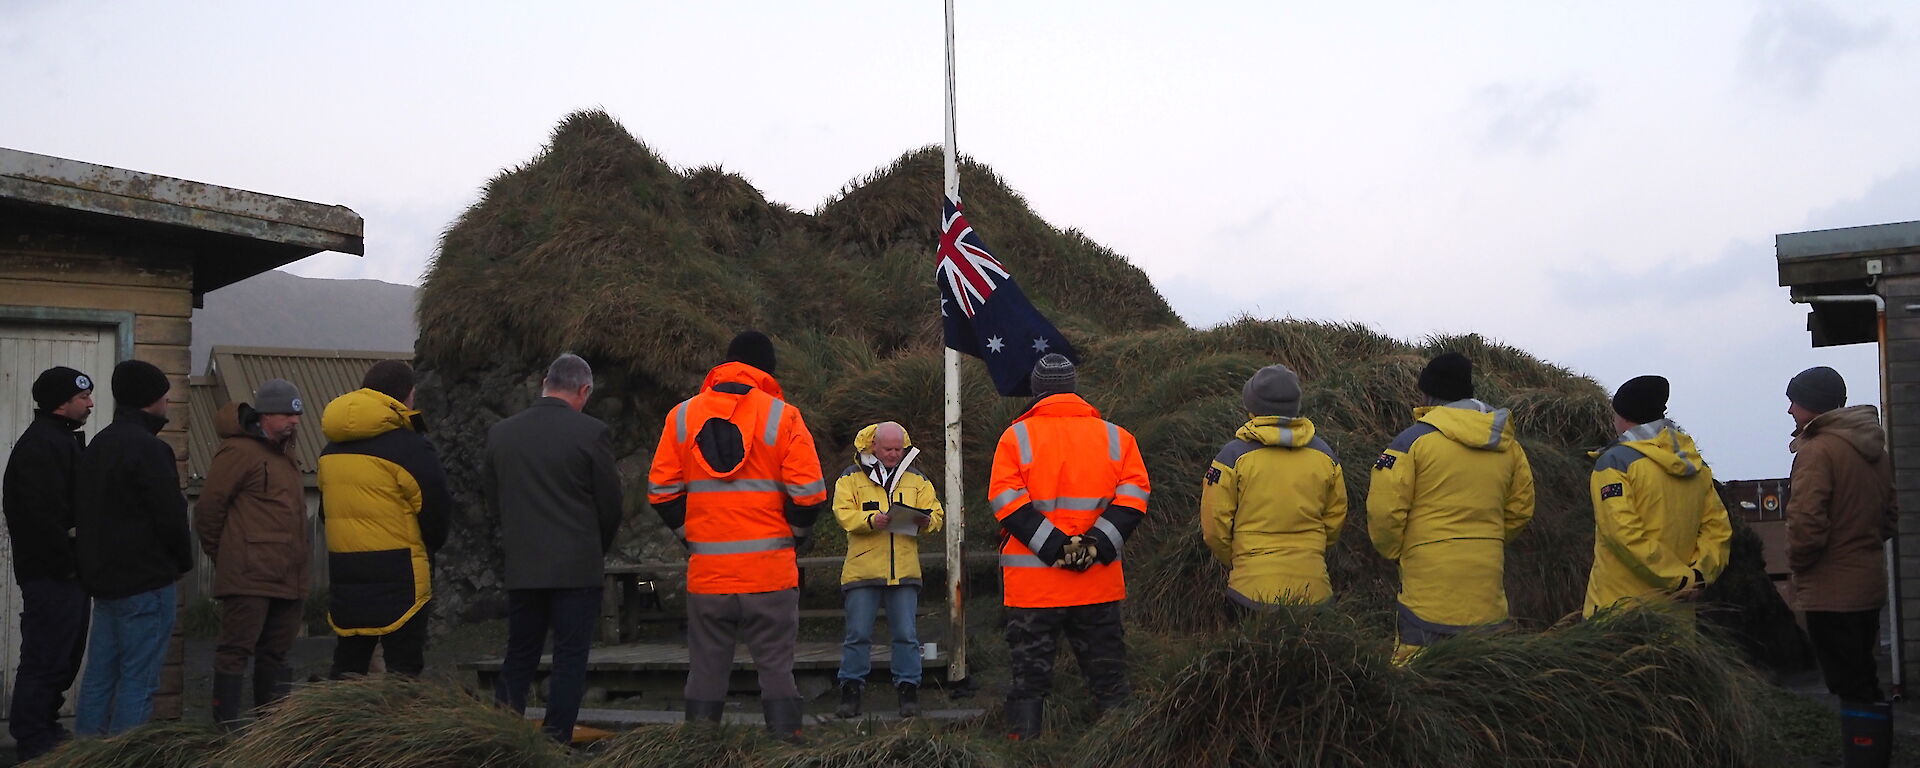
pixel 202 401
pixel 320 374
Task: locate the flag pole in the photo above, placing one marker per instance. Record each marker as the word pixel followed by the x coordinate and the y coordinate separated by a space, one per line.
pixel 956 500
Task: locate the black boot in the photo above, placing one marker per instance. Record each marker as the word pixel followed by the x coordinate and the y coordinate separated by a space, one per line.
pixel 226 700
pixel 850 691
pixel 705 711
pixel 1866 734
pixel 1023 718
pixel 271 683
pixel 909 698
pixel 783 719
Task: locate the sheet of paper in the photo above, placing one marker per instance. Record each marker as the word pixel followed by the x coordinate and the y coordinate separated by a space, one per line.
pixel 906 520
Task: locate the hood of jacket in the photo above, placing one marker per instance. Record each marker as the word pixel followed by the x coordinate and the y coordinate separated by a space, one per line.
pixel 741 373
pixel 1667 445
pixel 237 420
pixel 1471 423
pixel 1858 425
pixel 1064 405
pixel 363 414
pixel 1277 431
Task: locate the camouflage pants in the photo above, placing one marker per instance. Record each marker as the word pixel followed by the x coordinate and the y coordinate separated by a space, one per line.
pixel 1093 632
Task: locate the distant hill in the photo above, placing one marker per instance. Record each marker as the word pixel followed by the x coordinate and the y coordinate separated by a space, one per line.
pixel 277 309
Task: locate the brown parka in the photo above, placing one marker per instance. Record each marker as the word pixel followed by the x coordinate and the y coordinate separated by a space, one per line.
pixel 252 514
pixel 1840 512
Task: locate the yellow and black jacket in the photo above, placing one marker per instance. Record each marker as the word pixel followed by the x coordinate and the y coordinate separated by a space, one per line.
pixel 1272 504
pixel 875 557
pixel 1659 526
pixel 385 500
pixel 1445 498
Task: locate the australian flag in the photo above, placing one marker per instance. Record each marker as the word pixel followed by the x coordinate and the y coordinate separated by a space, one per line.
pixel 985 313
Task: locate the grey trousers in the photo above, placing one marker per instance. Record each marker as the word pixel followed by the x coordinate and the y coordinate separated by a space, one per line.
pixel 768 622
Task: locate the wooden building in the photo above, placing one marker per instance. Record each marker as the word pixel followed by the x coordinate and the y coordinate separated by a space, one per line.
pixel 101 264
pixel 1863 284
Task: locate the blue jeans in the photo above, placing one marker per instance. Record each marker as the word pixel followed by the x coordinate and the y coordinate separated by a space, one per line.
pixel 124 654
pixel 863 604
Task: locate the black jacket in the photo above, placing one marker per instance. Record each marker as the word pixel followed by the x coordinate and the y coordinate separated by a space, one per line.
pixel 37 496
pixel 130 514
pixel 550 478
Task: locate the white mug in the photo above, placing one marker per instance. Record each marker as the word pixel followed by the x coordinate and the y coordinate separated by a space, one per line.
pixel 930 651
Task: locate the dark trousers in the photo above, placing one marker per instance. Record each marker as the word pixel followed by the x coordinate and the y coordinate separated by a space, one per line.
pixel 768 622
pixel 1093 632
pixel 1846 644
pixel 259 630
pixel 405 649
pixel 570 614
pixel 53 637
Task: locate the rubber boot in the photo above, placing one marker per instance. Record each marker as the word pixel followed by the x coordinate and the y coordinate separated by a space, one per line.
pixel 850 691
pixel 783 719
pixel 1023 718
pixel 271 683
pixel 705 711
pixel 1866 734
pixel 226 700
pixel 909 699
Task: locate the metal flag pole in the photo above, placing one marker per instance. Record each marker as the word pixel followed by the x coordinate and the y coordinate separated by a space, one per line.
pixel 956 500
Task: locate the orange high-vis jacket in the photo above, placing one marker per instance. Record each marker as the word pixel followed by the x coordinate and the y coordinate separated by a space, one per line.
pixel 737 478
pixel 1062 471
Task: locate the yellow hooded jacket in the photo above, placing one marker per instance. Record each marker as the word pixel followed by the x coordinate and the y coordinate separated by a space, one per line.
pixel 1659 526
pixel 386 505
pixel 875 557
pixel 1272 503
pixel 1445 497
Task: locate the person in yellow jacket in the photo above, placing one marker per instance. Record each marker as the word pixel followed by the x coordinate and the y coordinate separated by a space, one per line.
pixel 884 502
pixel 384 497
pixel 1273 500
pixel 1660 530
pixel 1445 498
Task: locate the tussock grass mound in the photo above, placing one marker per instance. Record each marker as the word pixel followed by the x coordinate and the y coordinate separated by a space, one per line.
pixel 599 246
pixel 388 721
pixel 156 745
pixel 1311 687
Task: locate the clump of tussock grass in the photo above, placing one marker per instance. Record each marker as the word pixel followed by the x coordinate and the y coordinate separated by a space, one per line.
pixel 390 721
pixel 165 744
pixel 709 746
pixel 1310 686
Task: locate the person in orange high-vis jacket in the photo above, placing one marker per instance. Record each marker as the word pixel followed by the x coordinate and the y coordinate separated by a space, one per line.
pixel 737 478
pixel 1068 488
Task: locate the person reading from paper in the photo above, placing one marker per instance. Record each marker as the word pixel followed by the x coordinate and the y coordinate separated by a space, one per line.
pixel 884 502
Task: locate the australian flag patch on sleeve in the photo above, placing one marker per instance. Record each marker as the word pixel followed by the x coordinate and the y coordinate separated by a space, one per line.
pixel 1213 475
pixel 1612 491
pixel 1384 462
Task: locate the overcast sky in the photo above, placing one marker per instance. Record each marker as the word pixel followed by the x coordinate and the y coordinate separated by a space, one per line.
pixel 1598 183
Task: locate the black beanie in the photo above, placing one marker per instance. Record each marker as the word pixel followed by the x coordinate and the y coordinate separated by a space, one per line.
pixel 1448 377
pixel 752 348
pixel 1642 400
pixel 138 384
pixel 1819 389
pixel 393 378
pixel 57 385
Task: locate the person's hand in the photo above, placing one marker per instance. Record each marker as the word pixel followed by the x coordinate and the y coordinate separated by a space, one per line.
pixel 923 521
pixel 881 520
pixel 1077 555
pixel 1691 587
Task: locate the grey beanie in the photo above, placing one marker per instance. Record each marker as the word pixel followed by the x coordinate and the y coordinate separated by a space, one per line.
pixel 277 396
pixel 1053 374
pixel 1272 391
pixel 1819 389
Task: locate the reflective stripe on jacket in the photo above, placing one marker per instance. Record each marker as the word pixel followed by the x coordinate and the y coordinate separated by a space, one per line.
pixel 1657 518
pixel 730 460
pixel 1062 471
pixel 1443 499
pixel 1271 505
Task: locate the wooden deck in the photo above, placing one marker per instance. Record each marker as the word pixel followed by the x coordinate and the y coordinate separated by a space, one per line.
pixel 657 671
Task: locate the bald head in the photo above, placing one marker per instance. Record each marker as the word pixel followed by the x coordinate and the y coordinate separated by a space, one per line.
pixel 889 443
